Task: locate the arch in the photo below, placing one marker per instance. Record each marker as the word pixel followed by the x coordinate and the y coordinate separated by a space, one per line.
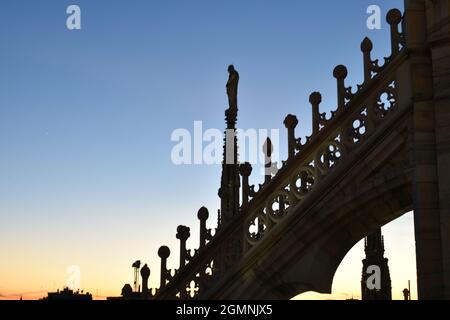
pixel 304 252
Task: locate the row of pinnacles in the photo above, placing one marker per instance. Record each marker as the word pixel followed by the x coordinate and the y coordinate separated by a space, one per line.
pixel 242 224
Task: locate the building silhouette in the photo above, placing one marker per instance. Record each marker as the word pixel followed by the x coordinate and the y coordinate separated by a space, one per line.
pixel 68 295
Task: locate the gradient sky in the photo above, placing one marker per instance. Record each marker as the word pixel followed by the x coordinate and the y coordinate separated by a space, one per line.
pixel 86 117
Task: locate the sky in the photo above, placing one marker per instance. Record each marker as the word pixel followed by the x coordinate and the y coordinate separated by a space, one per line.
pixel 86 118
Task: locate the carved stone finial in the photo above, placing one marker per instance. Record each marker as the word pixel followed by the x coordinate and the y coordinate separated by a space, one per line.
pixel 315 98
pixel 203 214
pixel 366 48
pixel 245 169
pixel 340 72
pixel 290 121
pixel 145 272
pixel 164 252
pixel 127 290
pixel 366 45
pixel 394 16
pixel 183 233
pixel 267 148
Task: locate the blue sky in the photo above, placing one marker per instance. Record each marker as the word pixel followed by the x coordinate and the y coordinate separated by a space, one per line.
pixel 86 116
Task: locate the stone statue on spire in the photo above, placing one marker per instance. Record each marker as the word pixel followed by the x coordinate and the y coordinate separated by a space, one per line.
pixel 232 87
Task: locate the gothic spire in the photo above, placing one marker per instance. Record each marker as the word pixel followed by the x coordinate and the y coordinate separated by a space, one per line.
pixel 375 270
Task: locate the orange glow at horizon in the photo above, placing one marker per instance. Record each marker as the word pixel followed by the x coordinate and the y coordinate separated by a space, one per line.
pixel 32 271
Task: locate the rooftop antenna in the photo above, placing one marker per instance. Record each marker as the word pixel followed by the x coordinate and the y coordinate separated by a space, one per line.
pixel 409 289
pixel 136 266
pixel 407 292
